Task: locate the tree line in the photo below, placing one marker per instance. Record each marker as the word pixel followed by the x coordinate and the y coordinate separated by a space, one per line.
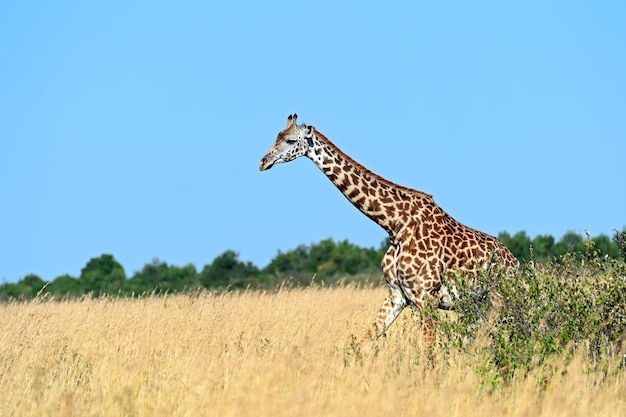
pixel 326 262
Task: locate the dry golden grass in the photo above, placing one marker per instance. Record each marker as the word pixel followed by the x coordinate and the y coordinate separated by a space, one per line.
pixel 255 354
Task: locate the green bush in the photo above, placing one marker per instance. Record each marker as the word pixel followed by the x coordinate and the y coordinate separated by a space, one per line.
pixel 548 310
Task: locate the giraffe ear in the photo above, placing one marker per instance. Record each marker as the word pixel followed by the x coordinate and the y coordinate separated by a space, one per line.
pixel 291 120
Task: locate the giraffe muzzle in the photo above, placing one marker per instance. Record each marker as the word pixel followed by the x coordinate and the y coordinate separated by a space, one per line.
pixel 265 164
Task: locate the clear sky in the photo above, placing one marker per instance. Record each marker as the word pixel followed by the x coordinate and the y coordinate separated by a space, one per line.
pixel 135 128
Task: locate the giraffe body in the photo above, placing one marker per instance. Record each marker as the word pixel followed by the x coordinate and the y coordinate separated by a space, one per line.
pixel 427 246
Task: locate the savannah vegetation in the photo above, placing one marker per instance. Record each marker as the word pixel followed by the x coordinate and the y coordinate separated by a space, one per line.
pixel 326 262
pixel 555 347
pixel 293 352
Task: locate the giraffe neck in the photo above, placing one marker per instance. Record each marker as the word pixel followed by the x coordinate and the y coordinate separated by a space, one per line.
pixel 386 203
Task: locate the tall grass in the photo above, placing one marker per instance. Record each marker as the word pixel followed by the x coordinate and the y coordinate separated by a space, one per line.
pixel 282 353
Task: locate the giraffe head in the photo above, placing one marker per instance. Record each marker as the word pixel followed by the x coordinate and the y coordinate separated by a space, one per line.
pixel 292 142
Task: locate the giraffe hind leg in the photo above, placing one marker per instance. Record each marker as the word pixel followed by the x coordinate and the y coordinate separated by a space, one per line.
pixel 446 301
pixel 447 298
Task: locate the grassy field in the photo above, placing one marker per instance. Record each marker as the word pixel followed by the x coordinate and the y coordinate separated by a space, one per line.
pixel 242 354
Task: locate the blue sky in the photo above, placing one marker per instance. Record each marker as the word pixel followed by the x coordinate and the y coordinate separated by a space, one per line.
pixel 136 128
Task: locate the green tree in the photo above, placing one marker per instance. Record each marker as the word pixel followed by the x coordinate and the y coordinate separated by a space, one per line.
pixel 571 241
pixel 289 263
pixel 352 259
pixel 228 270
pixel 159 276
pixel 27 287
pixel 31 285
pixel 9 290
pixel 65 285
pixel 102 275
pixel 620 240
pixel 518 244
pixel 605 246
pixel 542 247
pixel 323 260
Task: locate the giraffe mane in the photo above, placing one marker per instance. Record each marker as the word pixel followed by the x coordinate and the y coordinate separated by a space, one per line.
pixel 368 172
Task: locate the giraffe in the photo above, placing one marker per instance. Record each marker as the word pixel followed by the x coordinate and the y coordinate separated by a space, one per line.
pixel 427 246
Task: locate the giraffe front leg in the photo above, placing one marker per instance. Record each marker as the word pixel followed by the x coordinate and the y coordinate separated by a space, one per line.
pixel 390 310
pixel 392 306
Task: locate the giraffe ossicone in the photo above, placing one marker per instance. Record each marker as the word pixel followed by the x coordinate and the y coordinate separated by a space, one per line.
pixel 428 246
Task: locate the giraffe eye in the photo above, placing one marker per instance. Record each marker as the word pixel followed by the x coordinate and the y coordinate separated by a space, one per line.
pixel 291 141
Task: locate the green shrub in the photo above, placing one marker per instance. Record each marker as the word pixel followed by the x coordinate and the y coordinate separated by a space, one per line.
pixel 548 310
